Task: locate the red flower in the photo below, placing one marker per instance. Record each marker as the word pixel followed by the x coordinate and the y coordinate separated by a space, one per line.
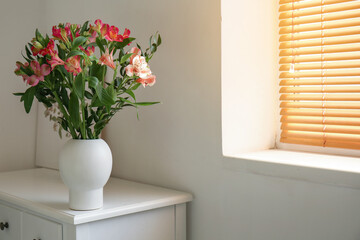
pixel 126 33
pixel 113 34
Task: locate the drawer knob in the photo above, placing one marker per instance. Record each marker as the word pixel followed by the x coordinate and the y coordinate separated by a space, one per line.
pixel 4 225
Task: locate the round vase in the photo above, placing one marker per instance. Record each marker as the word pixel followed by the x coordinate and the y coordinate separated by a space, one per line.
pixel 85 167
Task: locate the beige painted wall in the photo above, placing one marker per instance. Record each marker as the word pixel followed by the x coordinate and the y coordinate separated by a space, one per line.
pixel 178 144
pixel 17 129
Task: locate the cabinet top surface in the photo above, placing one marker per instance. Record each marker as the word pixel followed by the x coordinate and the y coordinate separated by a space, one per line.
pixel 42 191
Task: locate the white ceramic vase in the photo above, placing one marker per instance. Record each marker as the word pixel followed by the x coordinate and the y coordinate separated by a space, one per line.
pixel 85 167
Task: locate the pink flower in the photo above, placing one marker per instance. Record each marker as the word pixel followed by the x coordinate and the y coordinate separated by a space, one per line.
pixel 104 30
pixel 148 81
pixel 89 51
pixel 39 73
pixel 43 51
pixel 18 70
pixel 55 60
pixel 72 65
pixel 138 67
pixel 107 59
pixel 60 33
pixel 98 25
pixel 136 52
pixel 92 38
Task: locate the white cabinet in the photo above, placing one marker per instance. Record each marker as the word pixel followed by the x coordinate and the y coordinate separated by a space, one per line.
pixel 38 228
pixel 10 223
pixel 33 205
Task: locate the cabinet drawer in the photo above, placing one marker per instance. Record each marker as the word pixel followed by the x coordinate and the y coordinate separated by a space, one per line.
pixel 10 218
pixel 38 228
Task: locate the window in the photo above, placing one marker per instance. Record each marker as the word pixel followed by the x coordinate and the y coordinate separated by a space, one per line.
pixel 320 72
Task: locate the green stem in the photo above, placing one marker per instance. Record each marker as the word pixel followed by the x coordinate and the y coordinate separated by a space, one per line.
pixel 62 108
pixel 83 127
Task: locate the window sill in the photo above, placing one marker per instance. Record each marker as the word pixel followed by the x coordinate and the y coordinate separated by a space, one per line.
pixel 310 167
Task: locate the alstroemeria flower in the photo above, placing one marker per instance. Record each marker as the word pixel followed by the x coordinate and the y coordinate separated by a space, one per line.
pixel 98 25
pixel 55 60
pixel 43 51
pixel 126 33
pixel 89 51
pixel 39 73
pixel 107 59
pixel 113 35
pixel 92 38
pixel 138 67
pixel 148 81
pixel 136 52
pixel 18 70
pixel 72 65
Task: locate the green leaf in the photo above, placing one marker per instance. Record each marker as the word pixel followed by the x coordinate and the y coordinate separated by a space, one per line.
pixel 126 57
pixel 40 38
pixel 74 110
pixel 28 98
pixel 78 41
pixel 105 97
pixel 64 97
pixel 28 53
pixel 125 42
pixel 131 93
pixel 61 52
pixel 75 53
pixel 93 81
pixel 88 95
pixel 18 94
pixel 145 103
pixel 153 48
pixel 150 40
pixel 136 86
pixel 112 93
pixel 79 86
pixel 100 45
pixel 84 27
pixel 158 43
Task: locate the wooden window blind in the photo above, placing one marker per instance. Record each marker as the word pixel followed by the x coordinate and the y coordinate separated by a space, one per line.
pixel 320 72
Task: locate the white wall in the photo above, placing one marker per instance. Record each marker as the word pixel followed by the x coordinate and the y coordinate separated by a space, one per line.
pixel 249 75
pixel 178 144
pixel 17 129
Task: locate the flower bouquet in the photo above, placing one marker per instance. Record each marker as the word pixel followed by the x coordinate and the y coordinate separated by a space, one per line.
pixel 66 72
pixel 66 75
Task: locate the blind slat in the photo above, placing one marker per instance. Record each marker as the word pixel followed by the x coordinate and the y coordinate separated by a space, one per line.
pixel 328 73
pixel 319 57
pixel 319 17
pixel 321 97
pixel 317 135
pixel 324 65
pixel 321 89
pixel 321 128
pixel 321 120
pixel 320 34
pixel 320 42
pixel 318 50
pixel 320 25
pixel 320 112
pixel 319 81
pixel 317 10
pixel 326 105
pixel 307 4
pixel 320 142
